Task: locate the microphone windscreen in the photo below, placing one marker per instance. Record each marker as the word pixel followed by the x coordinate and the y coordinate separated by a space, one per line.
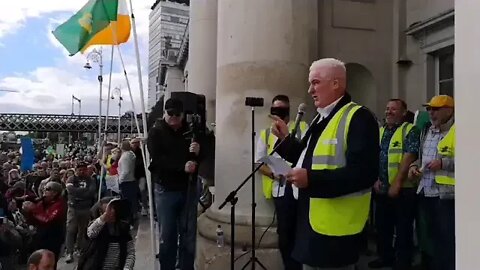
pixel 302 107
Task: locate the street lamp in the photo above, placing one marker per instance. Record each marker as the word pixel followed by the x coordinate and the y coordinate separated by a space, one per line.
pixel 74 98
pixel 96 57
pixel 118 91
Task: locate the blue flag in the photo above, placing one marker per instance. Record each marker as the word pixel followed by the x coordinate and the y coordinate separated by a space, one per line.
pixel 28 155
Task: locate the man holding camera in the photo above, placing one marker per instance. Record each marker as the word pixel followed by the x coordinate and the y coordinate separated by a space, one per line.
pixel 173 169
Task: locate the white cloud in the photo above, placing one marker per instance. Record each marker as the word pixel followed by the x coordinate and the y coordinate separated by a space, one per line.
pixel 48 89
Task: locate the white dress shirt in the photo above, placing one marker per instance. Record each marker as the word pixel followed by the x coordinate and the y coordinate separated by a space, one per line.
pixel 261 151
pixel 322 114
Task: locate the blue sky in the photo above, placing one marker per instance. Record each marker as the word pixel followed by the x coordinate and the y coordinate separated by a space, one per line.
pixel 37 66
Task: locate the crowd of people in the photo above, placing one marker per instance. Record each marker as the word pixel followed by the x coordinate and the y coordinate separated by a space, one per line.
pixel 60 208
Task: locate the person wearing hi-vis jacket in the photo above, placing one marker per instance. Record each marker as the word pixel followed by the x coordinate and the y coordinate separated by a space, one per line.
pixel 394 195
pixel 336 166
pixel 282 193
pixel 435 168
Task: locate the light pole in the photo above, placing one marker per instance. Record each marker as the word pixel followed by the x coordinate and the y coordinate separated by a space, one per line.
pixel 74 98
pixel 96 57
pixel 118 91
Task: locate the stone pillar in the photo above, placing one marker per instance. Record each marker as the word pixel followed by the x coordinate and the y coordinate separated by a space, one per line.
pixel 202 56
pixel 174 81
pixel 467 72
pixel 264 48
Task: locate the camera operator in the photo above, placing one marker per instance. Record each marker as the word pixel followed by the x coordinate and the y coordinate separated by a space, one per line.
pixel 175 197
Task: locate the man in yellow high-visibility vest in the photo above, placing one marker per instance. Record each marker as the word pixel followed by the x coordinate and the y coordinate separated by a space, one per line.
pixel 435 169
pixel 336 167
pixel 282 193
pixel 394 195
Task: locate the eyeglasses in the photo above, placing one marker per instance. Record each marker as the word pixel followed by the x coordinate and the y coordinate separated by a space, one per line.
pixel 174 113
pixel 48 189
pixel 433 109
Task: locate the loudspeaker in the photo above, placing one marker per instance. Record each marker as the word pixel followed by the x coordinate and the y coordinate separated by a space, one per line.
pixel 193 104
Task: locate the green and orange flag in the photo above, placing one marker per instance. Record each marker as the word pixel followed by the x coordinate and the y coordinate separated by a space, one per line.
pixel 95 24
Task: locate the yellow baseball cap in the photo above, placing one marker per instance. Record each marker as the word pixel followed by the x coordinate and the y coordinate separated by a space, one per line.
pixel 441 101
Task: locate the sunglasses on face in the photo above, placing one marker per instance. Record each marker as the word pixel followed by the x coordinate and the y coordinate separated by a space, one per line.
pixel 174 113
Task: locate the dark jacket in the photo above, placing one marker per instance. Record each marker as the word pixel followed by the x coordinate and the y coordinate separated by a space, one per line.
pixel 169 150
pixel 360 172
pixel 81 192
pixel 139 169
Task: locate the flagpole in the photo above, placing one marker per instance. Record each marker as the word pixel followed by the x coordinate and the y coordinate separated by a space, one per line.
pixel 108 95
pixel 145 131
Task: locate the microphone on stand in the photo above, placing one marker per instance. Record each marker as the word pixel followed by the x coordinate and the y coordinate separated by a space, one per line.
pixel 301 111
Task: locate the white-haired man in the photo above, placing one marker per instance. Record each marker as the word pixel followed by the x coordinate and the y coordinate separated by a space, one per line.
pixel 336 167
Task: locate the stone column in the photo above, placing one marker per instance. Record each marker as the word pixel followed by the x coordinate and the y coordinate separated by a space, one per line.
pixel 264 48
pixel 202 61
pixel 174 81
pixel 467 72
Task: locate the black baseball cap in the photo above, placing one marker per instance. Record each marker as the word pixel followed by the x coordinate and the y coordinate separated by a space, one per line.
pixel 174 105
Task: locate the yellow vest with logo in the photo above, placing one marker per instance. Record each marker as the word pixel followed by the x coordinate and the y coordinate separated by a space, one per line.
pixel 395 151
pixel 345 215
pixel 446 149
pixel 270 140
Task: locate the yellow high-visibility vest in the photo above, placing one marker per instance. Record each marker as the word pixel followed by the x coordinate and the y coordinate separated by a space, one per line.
pixel 270 139
pixel 446 149
pixel 395 151
pixel 348 214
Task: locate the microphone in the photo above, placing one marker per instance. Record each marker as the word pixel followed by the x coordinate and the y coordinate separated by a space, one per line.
pixel 301 111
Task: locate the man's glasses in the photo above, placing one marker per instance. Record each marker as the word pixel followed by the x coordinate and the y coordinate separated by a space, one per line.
pixel 174 113
pixel 48 189
pixel 433 109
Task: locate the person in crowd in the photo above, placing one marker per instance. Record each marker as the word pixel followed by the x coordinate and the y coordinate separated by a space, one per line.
pixel 395 196
pixel 68 174
pixel 140 175
pixel 41 259
pixel 13 176
pixel 282 193
pixel 111 176
pixel 54 176
pixel 173 166
pixel 18 194
pixel 82 193
pixel 336 167
pixel 126 177
pixel 435 169
pixel 111 245
pixel 48 216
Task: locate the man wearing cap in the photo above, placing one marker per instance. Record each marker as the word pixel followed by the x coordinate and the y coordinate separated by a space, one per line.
pixel 435 168
pixel 176 198
pixel 82 191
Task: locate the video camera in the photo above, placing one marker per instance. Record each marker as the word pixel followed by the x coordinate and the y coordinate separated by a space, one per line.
pixel 194 111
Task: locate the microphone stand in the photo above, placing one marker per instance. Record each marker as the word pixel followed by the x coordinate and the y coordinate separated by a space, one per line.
pixel 233 199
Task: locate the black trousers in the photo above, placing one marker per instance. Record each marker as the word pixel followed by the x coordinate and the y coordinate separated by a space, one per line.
pixel 439 218
pixel 286 208
pixel 395 216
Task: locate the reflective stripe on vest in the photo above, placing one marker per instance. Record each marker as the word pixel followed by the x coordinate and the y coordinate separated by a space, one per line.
pixel 267 182
pixel 446 149
pixel 345 215
pixel 395 150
